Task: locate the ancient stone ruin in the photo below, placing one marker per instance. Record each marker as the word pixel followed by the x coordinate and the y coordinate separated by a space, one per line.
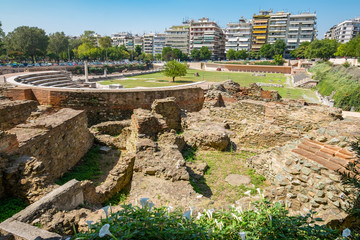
pixel 299 149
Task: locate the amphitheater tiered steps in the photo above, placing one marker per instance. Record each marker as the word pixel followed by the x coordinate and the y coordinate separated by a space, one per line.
pixel 47 79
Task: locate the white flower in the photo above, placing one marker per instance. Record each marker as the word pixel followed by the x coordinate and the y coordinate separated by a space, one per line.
pixel 219 224
pixel 259 191
pixel 199 216
pixel 346 232
pixel 187 215
pixel 236 217
pixel 270 217
pixel 209 213
pixel 143 202
pixel 169 209
pixel 239 210
pixel 106 209
pixel 89 224
pixel 242 235
pixel 150 206
pixel 105 231
pixel 248 193
pixel 192 209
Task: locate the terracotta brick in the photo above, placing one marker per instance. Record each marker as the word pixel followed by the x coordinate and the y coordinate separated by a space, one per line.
pixel 324 154
pixel 335 148
pixel 346 152
pixel 311 144
pixel 315 142
pixel 339 161
pixel 318 159
pixel 328 151
pixel 343 156
pixel 308 148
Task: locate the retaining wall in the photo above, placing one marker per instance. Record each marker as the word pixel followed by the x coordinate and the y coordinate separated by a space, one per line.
pixel 15 112
pixel 249 68
pixel 105 105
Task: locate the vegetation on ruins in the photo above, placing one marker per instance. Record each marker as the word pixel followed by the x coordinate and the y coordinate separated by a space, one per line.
pixel 349 49
pixel 262 220
pixel 339 81
pixel 10 206
pixel 236 55
pixel 324 49
pixel 271 50
pixel 175 69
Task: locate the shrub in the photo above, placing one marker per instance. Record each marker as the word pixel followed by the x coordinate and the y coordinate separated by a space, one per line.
pixel 10 206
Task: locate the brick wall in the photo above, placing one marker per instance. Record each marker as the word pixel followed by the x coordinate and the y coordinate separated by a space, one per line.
pixel 15 112
pixel 114 104
pixel 251 68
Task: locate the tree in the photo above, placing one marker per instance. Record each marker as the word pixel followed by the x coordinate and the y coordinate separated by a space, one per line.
pixel 349 49
pixel 254 55
pixel 105 42
pixel 83 51
pixel 158 56
pixel 2 35
pixel 323 49
pixel 241 54
pixel 278 59
pixel 58 43
pixel 31 41
pixel 88 38
pixel 195 54
pixel 138 50
pixel 300 51
pixel 279 47
pixel 175 69
pixel 231 54
pixel 177 52
pixel 205 53
pixel 267 51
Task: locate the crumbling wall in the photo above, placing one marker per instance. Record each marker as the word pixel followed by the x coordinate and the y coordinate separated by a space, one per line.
pixel 59 140
pixel 15 112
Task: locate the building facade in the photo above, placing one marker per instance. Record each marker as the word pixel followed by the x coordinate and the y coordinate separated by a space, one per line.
pixel 301 28
pixel 207 33
pixel 278 27
pixel 178 37
pixel 344 31
pixel 159 43
pixel 238 35
pixel 260 30
pixel 148 43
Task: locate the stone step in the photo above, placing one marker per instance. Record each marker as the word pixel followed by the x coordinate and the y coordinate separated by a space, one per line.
pixel 39 77
pixel 55 82
pixel 63 85
pixel 48 80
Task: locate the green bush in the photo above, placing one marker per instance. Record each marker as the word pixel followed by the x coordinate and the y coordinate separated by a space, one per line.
pixel 263 221
pixel 10 206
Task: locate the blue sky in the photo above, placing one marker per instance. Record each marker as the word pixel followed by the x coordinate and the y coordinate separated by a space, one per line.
pixel 109 16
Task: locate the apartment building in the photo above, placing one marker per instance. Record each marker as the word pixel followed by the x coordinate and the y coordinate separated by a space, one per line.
pixel 207 33
pixel 124 38
pixel 260 30
pixel 159 43
pixel 344 31
pixel 301 28
pixel 178 37
pixel 278 27
pixel 148 43
pixel 238 35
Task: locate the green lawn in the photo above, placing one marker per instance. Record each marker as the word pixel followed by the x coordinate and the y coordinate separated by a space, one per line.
pixel 244 79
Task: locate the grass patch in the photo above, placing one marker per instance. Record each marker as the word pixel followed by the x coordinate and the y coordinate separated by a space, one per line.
pixel 118 199
pixel 10 206
pixel 87 169
pixel 220 165
pixel 189 154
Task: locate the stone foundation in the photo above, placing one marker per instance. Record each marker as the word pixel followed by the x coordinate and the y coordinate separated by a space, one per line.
pixel 15 112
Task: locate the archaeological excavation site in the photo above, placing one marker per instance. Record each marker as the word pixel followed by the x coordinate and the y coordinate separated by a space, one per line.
pixel 68 153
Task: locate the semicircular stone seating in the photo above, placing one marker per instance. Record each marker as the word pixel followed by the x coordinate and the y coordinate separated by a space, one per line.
pixel 48 79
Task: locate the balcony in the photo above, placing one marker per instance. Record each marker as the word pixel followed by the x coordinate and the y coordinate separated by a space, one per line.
pixel 259 32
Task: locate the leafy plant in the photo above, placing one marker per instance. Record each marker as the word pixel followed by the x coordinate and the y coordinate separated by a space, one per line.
pixel 189 153
pixel 10 206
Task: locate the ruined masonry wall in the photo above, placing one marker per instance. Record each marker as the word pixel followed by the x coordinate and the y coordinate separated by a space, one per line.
pixel 59 140
pixel 15 112
pixel 111 104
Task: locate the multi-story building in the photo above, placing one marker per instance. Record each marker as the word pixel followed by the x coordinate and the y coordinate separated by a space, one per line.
pixel 301 28
pixel 260 29
pixel 159 43
pixel 344 31
pixel 278 27
pixel 178 37
pixel 148 43
pixel 138 41
pixel 238 35
pixel 123 38
pixel 207 33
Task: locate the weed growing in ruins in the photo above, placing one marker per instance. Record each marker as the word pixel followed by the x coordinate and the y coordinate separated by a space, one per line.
pixel 256 179
pixel 87 169
pixel 10 206
pixel 189 154
pixel 118 199
pixel 263 220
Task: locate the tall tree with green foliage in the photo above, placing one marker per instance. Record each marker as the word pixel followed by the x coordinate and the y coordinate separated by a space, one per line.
pixel 267 51
pixel 88 38
pixel 231 54
pixel 241 54
pixel 2 45
pixel 205 53
pixel 349 49
pixel 58 43
pixel 323 49
pixel 105 42
pixel 138 50
pixel 31 41
pixel 178 53
pixel 168 54
pixel 175 69
pixel 195 54
pixel 300 51
pixel 279 47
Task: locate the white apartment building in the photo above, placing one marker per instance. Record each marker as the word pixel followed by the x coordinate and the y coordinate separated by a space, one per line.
pixel 238 35
pixel 159 43
pixel 278 27
pixel 178 37
pixel 148 43
pixel 344 31
pixel 301 28
pixel 207 33
pixel 123 38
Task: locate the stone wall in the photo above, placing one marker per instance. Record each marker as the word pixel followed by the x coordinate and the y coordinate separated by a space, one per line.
pixel 15 112
pixel 250 68
pixel 108 105
pixel 59 140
